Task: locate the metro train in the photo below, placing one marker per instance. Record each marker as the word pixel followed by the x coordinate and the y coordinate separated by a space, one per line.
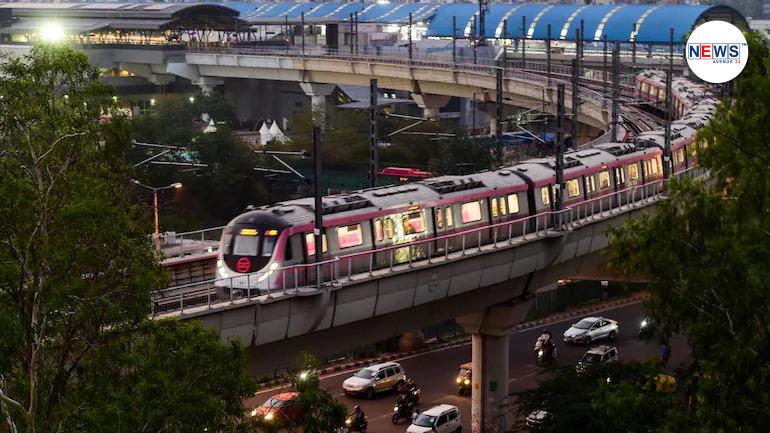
pixel 274 246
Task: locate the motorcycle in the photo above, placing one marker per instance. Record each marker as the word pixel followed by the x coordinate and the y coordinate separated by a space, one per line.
pixel 358 425
pixel 546 352
pixel 404 409
pixel 646 329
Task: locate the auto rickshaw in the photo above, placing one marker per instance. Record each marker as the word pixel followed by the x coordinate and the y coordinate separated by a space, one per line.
pixel 464 378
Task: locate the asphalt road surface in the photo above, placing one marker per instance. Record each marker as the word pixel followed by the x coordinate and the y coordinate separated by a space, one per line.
pixel 435 371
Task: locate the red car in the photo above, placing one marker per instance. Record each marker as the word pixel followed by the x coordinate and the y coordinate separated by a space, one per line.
pixel 279 408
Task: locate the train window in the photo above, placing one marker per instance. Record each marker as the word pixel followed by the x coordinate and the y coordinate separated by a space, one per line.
pixel 590 184
pixel 413 222
pixel 645 88
pixel 350 236
pixel 620 175
pixel 288 251
pixel 388 226
pixel 449 216
pixel 310 243
pixel 693 150
pixel 573 188
pixel 513 204
pixel 268 243
pixel 378 229
pixel 544 195
pixel 604 179
pixel 678 156
pixel 655 164
pixel 246 245
pixel 439 218
pixel 471 211
pixel 503 207
pixel 493 205
pixel 633 171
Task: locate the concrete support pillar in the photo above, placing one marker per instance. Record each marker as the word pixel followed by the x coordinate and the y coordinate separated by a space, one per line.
pixel 490 406
pixel 490 109
pixel 318 93
pixel 430 104
pixel 207 84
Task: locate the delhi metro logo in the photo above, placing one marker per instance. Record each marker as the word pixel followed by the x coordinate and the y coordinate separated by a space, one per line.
pixel 243 265
pixel 716 61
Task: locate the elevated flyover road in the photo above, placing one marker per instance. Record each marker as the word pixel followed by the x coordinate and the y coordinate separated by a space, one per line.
pixel 435 371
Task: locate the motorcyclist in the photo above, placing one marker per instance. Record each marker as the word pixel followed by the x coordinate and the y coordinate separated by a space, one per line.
pixel 411 392
pixel 545 343
pixel 357 417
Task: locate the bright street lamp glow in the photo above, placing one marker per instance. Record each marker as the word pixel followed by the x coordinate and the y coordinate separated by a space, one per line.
pixel 191 99
pixel 303 375
pixel 177 185
pixel 52 32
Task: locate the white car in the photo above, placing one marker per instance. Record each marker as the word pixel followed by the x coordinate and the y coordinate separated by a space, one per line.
pixel 443 418
pixel 597 356
pixel 375 378
pixel 591 329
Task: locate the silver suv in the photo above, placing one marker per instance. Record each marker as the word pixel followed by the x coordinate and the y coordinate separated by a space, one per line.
pixel 375 378
pixel 597 356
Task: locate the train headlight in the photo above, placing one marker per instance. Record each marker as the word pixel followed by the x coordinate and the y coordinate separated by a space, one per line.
pixel 459 379
pixel 467 382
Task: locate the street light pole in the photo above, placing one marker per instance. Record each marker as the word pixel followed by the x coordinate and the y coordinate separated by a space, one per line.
pixel 175 185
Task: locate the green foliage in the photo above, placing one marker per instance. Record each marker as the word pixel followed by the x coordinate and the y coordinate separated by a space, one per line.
pixel 749 8
pixel 706 252
pixel 627 402
pixel 163 376
pixel 76 271
pixel 229 180
pixel 460 155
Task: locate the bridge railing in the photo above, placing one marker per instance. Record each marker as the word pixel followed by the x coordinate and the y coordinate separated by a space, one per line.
pixel 196 242
pixel 371 264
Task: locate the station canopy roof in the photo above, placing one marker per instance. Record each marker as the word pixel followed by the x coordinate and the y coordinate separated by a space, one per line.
pixel 648 23
pixel 88 17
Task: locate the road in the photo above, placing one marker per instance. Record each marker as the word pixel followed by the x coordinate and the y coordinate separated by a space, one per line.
pixel 435 371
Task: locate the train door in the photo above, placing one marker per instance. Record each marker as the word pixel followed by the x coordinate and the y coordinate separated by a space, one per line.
pixel 619 174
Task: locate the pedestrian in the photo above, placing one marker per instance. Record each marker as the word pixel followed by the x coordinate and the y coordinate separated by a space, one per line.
pixel 665 352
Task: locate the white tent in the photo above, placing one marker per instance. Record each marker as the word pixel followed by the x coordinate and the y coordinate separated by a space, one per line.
pixel 276 132
pixel 264 134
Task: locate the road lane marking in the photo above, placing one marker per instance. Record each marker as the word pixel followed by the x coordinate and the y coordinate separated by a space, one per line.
pixel 441 349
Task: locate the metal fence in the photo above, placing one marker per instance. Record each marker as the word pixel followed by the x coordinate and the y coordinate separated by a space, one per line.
pixel 204 241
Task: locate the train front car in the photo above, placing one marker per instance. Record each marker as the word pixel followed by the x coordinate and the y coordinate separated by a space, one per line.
pixel 251 252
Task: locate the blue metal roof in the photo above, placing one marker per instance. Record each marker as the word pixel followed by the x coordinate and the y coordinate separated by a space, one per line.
pixel 615 21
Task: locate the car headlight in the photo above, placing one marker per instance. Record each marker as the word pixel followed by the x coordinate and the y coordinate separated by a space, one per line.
pixel 395 409
pixel 459 379
pixel 540 353
pixel 254 412
pixel 347 421
pixel 269 416
pixel 467 382
pixel 644 323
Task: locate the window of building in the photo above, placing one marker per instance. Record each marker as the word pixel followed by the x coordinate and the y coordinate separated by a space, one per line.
pixel 573 188
pixel 449 216
pixel 633 171
pixel 544 195
pixel 378 230
pixel 471 211
pixel 310 244
pixel 513 204
pixel 604 179
pixel 350 236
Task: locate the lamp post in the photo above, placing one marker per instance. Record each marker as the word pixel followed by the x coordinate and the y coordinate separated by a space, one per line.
pixel 175 185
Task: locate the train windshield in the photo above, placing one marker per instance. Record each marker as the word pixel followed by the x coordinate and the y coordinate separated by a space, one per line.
pixel 246 245
pixel 268 245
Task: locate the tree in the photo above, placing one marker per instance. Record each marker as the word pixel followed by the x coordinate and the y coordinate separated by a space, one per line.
pixel 76 270
pixel 164 375
pixel 706 251
pixel 613 398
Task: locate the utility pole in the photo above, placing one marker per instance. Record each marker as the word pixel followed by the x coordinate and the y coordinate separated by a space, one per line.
pixel 454 40
pixel 410 38
pixel 499 117
pixel 604 72
pixel 483 8
pixel 286 29
pixel 559 146
pixel 615 90
pixel 524 42
pixel 355 39
pixel 373 169
pixel 318 206
pixel 669 116
pixel 548 55
pixel 633 47
pixel 575 100
pixel 350 22
pixel 302 19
